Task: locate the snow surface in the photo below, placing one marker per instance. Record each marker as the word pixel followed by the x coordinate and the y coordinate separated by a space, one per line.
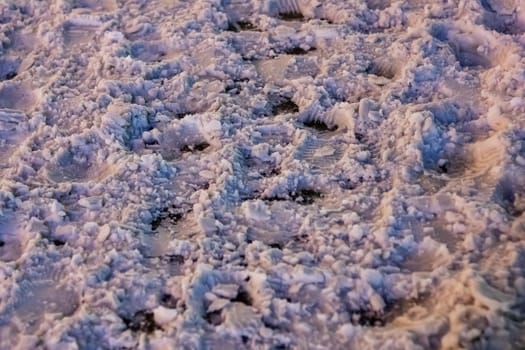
pixel 262 174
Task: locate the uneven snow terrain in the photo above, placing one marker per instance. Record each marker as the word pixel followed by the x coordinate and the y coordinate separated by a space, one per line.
pixel 262 174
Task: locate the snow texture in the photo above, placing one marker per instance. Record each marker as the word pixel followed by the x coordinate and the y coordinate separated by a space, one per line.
pixel 262 174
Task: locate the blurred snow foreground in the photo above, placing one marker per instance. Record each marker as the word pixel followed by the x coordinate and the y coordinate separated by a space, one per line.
pixel 264 174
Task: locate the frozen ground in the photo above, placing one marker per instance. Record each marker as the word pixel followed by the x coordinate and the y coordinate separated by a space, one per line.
pixel 277 174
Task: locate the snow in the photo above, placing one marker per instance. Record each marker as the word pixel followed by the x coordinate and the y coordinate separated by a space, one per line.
pixel 268 174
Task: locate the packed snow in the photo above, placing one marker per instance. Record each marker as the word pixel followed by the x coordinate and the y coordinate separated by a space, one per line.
pixel 262 174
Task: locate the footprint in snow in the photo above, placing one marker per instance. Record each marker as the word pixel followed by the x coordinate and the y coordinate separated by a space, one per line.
pixel 79 31
pixel 96 5
pixel 16 96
